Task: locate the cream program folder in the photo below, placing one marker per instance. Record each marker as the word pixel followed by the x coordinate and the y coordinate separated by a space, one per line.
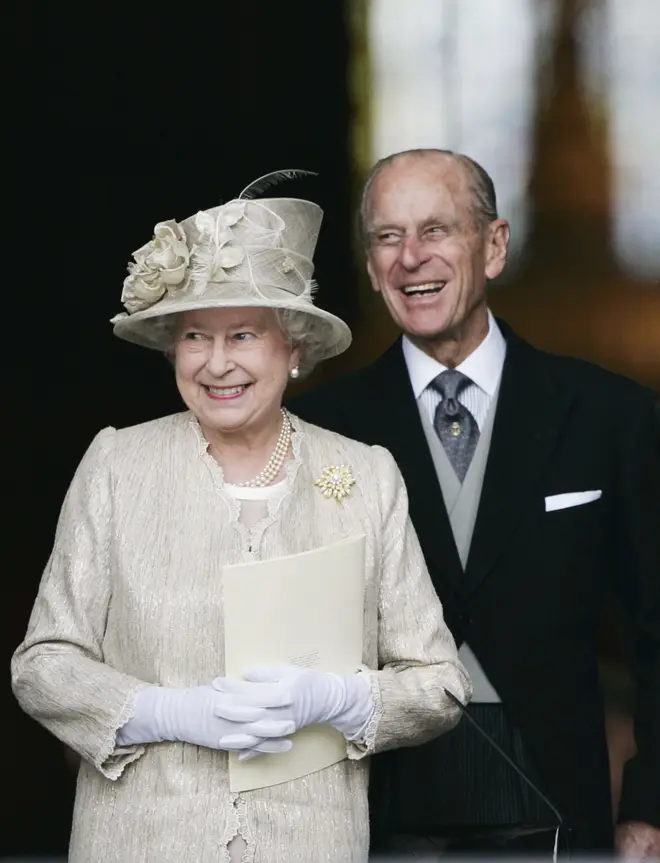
pixel 306 609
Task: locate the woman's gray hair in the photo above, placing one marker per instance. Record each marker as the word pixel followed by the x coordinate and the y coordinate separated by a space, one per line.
pixel 302 331
pixel 308 334
pixel 164 333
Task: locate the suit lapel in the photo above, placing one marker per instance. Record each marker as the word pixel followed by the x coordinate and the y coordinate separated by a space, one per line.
pixel 531 411
pixel 397 426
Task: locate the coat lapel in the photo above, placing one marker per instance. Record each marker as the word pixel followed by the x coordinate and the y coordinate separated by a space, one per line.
pixel 397 426
pixel 531 411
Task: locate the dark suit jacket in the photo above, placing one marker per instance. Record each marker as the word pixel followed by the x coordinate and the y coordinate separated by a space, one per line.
pixel 529 601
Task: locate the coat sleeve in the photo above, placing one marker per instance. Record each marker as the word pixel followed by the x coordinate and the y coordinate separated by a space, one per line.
pixel 639 580
pixel 416 651
pixel 58 673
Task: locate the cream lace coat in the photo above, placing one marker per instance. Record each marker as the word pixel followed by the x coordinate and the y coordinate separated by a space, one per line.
pixel 132 595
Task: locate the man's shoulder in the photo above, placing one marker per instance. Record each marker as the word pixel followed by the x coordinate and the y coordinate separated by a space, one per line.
pixel 588 379
pixel 346 404
pixel 355 384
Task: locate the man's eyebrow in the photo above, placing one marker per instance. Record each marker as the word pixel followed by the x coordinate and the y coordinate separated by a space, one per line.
pixel 377 227
pixel 439 220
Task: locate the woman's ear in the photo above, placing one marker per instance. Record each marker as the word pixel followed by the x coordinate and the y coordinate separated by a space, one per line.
pixel 294 362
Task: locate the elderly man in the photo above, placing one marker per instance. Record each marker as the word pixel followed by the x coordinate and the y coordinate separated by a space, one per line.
pixel 534 483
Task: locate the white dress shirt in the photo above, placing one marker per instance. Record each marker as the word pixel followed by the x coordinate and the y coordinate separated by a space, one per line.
pixel 484 368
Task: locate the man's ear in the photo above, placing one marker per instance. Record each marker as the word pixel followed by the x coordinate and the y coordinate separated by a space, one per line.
pixel 370 271
pixel 497 245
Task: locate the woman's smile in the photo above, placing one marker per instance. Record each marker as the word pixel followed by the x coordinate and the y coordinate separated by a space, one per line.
pixel 225 393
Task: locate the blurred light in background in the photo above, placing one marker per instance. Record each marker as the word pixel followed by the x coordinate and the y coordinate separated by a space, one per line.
pixel 470 75
pixel 461 76
pixel 631 83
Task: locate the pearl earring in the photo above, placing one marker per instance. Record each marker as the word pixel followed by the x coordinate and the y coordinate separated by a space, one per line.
pixel 295 372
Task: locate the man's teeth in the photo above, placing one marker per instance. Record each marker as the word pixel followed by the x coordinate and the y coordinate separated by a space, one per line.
pixel 419 290
pixel 227 391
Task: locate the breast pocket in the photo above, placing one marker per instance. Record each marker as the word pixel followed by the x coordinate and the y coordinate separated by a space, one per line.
pixel 570 500
pixel 576 548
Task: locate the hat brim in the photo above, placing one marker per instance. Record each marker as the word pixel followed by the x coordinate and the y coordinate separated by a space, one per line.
pixel 141 328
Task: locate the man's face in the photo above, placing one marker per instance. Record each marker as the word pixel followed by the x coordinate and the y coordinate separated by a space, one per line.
pixel 426 255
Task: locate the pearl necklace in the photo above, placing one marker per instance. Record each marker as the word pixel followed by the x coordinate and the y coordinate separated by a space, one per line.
pixel 277 459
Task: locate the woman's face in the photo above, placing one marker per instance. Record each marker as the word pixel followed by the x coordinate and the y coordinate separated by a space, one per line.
pixel 232 367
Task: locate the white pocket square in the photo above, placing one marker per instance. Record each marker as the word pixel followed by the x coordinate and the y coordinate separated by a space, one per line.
pixel 573 498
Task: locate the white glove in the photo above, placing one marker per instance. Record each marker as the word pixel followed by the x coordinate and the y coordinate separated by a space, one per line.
pixel 204 716
pixel 305 697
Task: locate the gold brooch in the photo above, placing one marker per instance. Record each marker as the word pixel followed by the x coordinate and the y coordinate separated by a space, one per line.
pixel 336 481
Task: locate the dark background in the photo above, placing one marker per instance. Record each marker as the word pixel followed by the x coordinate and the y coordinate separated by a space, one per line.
pixel 121 119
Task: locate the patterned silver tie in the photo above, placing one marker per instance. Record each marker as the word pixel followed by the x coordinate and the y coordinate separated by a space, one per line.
pixel 453 422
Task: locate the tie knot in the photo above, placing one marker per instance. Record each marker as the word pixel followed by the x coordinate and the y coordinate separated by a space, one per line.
pixel 450 383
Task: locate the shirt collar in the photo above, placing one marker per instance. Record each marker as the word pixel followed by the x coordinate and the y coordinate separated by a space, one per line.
pixel 483 366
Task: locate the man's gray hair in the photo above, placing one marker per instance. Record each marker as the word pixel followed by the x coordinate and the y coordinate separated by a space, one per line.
pixel 302 331
pixel 484 200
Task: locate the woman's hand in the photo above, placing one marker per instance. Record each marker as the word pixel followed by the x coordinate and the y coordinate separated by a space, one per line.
pixel 204 716
pixel 304 697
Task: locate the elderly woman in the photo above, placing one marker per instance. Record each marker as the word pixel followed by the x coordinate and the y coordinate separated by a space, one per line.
pixel 124 655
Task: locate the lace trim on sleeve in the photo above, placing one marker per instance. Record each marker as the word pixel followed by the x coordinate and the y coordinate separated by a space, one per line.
pixel 111 759
pixel 357 749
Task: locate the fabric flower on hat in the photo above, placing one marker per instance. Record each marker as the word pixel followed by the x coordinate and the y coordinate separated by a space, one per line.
pixel 215 251
pixel 159 266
